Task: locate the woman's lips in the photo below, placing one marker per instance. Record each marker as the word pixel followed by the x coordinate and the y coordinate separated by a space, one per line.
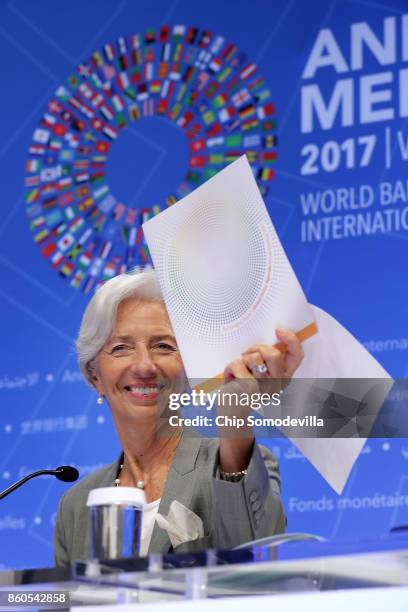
pixel 143 392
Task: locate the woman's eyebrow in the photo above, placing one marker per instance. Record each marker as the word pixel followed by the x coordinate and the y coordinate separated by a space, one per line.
pixel 120 339
pixel 157 337
pixel 154 338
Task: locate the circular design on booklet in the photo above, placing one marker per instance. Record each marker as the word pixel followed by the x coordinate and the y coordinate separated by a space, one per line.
pixel 204 84
pixel 237 252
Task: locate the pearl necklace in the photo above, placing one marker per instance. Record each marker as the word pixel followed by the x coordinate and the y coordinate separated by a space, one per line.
pixel 140 484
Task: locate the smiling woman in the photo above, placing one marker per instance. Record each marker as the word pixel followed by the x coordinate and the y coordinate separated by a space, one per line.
pixel 139 361
pixel 129 355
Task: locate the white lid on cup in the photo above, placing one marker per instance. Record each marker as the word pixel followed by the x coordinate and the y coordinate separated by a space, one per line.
pixel 124 496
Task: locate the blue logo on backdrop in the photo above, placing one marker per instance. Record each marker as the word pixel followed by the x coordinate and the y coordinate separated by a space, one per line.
pixel 200 81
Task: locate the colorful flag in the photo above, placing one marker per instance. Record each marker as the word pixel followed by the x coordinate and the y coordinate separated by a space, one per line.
pixel 33 165
pixel 266 110
pixel 226 113
pixel 265 174
pixel 41 136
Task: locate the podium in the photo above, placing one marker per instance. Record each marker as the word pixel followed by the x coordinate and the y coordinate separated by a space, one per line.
pixel 371 575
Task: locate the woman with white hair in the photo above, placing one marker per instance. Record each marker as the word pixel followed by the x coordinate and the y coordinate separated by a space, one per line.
pixel 128 354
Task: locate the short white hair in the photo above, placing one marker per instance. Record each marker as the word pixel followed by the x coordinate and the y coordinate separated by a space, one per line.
pixel 99 317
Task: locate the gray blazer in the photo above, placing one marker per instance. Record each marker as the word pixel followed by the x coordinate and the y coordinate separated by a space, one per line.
pixel 232 513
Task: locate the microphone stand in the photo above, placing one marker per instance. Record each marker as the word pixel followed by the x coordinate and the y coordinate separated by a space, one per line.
pixel 20 482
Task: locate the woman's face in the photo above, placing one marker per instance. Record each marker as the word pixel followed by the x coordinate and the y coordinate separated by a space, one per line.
pixel 140 364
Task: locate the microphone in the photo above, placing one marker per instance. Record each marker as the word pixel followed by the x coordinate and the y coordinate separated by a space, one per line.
pixel 66 473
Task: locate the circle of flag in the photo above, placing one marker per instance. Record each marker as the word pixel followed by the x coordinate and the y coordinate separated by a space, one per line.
pixel 198 80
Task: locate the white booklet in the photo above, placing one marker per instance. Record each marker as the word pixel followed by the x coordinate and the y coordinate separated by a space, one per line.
pixel 224 275
pixel 228 284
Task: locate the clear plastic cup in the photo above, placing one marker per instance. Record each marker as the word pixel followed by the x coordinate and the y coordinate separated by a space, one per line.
pixel 115 522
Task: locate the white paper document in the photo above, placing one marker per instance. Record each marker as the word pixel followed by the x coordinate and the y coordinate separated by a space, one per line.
pixel 332 355
pixel 228 284
pixel 224 275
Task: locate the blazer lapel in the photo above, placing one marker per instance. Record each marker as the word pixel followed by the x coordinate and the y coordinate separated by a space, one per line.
pixel 179 485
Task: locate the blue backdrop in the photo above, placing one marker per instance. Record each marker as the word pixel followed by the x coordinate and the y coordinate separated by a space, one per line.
pixel 100 128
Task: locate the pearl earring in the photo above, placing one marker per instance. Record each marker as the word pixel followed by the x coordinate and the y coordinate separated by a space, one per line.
pixel 99 400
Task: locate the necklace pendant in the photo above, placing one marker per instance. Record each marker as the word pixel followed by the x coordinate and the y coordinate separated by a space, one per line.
pixel 140 484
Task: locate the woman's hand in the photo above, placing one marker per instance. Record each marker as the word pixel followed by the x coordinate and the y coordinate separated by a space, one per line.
pixel 263 368
pixel 277 362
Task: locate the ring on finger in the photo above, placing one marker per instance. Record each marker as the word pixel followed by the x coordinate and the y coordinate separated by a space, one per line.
pixel 259 369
